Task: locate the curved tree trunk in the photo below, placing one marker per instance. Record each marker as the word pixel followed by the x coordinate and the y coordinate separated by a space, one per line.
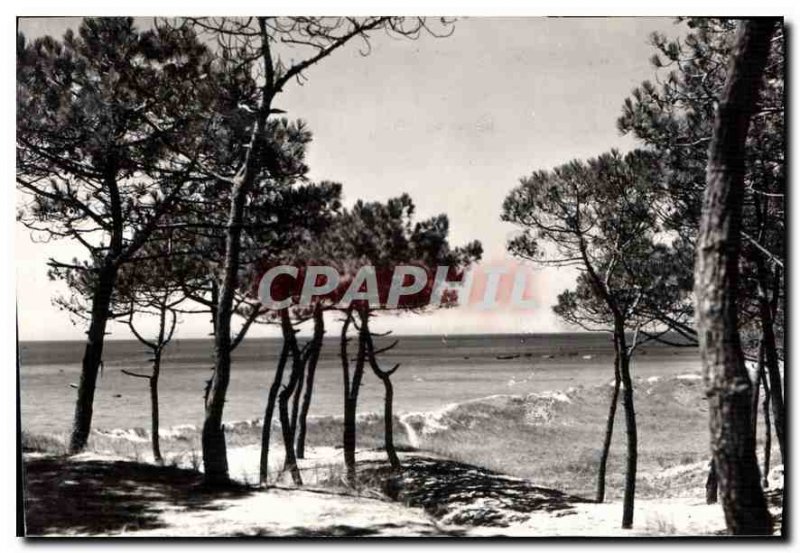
pixel 297 391
pixel 266 429
pixel 215 458
pixel 630 435
pixel 727 382
pixel 775 384
pixel 612 411
pixel 350 409
pixel 767 430
pixel 352 384
pixel 298 366
pixel 313 359
pixel 290 459
pixel 92 358
pixel 154 408
pixel 757 388
pixel 767 309
pixel 771 358
pixel 388 400
pixel 388 432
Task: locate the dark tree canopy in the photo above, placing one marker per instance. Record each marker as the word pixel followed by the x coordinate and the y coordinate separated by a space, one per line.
pixel 674 117
pixel 600 216
pixel 99 115
pixel 108 137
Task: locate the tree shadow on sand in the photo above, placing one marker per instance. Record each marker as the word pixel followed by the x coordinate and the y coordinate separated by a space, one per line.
pixel 64 496
pixel 462 494
pixel 348 531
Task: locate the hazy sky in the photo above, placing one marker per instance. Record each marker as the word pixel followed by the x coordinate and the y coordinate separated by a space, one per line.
pixel 454 122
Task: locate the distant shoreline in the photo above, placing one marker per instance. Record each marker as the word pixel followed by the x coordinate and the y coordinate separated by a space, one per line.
pixel 430 336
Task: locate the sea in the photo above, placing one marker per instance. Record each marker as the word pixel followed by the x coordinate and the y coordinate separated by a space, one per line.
pixel 435 371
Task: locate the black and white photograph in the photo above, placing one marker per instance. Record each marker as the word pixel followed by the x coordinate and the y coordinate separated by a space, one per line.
pixel 394 276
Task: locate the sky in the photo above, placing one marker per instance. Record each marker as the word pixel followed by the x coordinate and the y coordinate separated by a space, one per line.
pixel 455 122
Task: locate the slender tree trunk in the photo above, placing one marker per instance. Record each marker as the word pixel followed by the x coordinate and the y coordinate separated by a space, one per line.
pixel 92 357
pixel 612 412
pixel 157 347
pixel 154 408
pixel 767 429
pixel 771 355
pixel 298 366
pixel 266 429
pixel 313 359
pixel 767 311
pixel 757 388
pixel 351 389
pixel 297 392
pixel 388 431
pixel 215 458
pixel 385 377
pixel 349 440
pixel 630 433
pixel 290 459
pixel 712 483
pixel 728 385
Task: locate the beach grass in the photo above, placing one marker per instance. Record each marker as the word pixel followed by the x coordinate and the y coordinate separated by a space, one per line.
pixel 560 446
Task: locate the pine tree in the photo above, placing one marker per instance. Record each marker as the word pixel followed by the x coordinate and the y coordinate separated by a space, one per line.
pixel 600 216
pixel 101 116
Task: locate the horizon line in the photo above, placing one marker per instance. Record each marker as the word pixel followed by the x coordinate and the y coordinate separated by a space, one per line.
pixel 397 335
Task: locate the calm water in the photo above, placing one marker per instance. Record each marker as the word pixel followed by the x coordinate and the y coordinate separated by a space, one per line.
pixel 434 371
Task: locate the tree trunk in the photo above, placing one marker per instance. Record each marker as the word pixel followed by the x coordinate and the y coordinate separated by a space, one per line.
pixel 297 392
pixel 215 459
pixel 767 430
pixel 349 441
pixel 298 366
pixel 351 389
pixel 266 430
pixel 630 434
pixel 92 357
pixel 290 460
pixel 154 408
pixel 757 388
pixel 771 354
pixel 385 377
pixel 767 310
pixel 728 385
pixel 215 456
pixel 313 359
pixel 712 483
pixel 612 412
pixel 388 432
